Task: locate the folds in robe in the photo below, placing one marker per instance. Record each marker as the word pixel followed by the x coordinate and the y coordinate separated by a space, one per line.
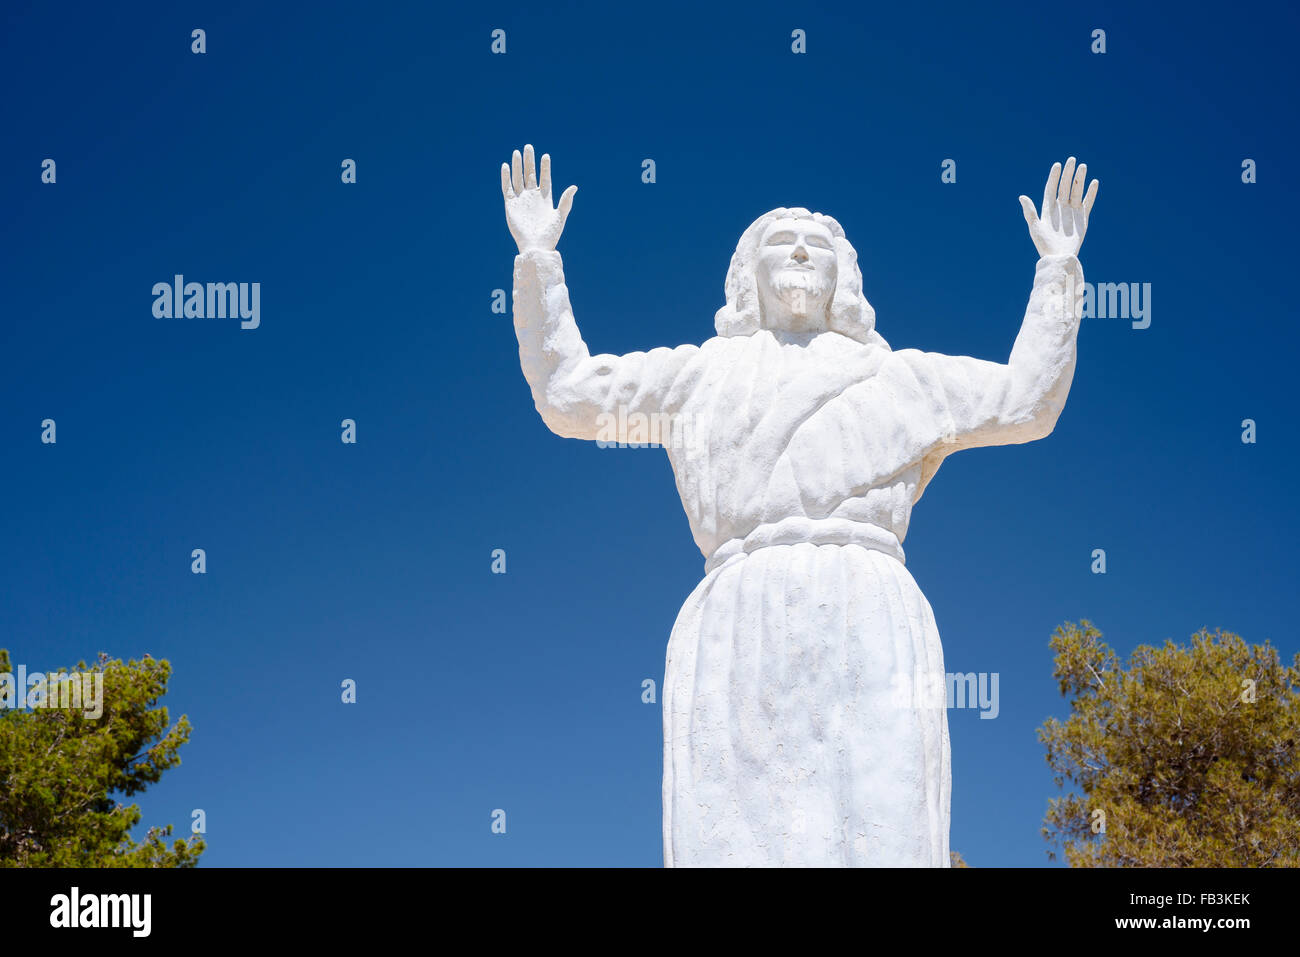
pixel 819 427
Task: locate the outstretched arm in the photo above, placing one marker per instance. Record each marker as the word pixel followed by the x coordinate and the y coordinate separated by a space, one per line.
pixel 579 396
pixel 986 403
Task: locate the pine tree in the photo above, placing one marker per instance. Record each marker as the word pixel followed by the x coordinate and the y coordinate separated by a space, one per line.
pixel 1183 756
pixel 61 768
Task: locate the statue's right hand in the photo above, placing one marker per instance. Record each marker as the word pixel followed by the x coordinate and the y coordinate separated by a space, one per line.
pixel 533 222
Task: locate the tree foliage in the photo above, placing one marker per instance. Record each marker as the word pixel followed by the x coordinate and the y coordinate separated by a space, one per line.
pixel 1183 756
pixel 60 770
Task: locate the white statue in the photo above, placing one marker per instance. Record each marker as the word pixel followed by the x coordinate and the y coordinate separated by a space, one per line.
pixel 807 441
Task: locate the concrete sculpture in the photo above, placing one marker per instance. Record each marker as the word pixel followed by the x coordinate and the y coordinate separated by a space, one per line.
pixel 800 443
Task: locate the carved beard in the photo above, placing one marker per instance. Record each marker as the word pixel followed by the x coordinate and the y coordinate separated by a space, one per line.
pixel 803 291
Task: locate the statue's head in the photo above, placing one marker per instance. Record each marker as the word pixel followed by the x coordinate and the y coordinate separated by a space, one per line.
pixel 794 271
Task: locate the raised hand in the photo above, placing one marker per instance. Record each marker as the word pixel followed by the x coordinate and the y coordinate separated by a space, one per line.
pixel 1058 230
pixel 533 222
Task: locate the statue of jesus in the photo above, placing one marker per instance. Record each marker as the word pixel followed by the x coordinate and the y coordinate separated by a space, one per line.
pixel 785 739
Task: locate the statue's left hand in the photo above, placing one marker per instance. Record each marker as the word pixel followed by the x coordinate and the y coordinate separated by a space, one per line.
pixel 1058 230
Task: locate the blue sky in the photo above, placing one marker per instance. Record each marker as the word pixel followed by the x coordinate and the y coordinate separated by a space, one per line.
pixel 372 561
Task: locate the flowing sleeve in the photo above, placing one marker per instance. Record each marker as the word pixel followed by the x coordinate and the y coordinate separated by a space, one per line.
pixel 581 396
pixel 974 402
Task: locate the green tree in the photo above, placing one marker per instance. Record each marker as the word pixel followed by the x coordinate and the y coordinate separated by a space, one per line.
pixel 1180 757
pixel 60 767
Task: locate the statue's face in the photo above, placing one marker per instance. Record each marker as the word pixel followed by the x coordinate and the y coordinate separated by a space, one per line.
pixel 796 273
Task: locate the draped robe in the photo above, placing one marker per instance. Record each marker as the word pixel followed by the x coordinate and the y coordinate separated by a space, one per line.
pixel 798 459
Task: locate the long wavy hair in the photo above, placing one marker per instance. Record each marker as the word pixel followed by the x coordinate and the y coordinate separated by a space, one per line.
pixel 850 313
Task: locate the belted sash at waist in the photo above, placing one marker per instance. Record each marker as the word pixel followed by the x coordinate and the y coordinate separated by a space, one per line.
pixel 814 531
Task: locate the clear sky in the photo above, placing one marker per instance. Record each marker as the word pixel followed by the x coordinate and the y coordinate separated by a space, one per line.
pixel 372 561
